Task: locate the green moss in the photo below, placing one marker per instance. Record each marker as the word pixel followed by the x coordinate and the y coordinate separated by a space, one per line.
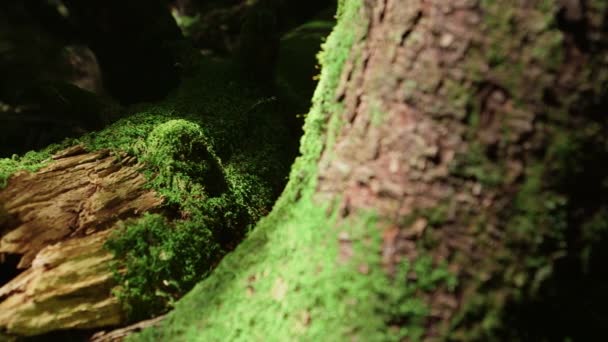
pixel 475 164
pixel 181 159
pixel 288 279
pixel 298 288
pixel 31 161
pixel 188 24
pixel 549 50
pixel 217 155
pixel 408 89
pixel 216 152
pixel 546 223
pixel 437 215
pixel 172 144
pixel 557 216
pixel 376 113
pixel 162 259
pixel 540 42
pixel 460 97
pixel 332 59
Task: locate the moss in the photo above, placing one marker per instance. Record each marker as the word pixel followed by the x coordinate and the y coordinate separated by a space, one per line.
pixel 217 150
pixel 181 157
pixel 512 50
pixel 409 88
pixel 335 53
pixel 285 281
pixel 376 113
pixel 217 155
pixel 187 24
pixel 163 260
pixel 297 289
pixel 552 225
pixel 476 164
pixel 31 161
pixel 546 223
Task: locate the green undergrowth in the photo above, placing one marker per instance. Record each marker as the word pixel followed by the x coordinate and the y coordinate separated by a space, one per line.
pixel 218 152
pixel 287 279
pixel 163 260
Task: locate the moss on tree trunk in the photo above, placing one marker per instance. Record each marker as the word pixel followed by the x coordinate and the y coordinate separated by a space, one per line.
pixel 445 179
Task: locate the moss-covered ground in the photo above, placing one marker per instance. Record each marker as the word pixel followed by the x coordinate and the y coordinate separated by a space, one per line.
pixel 218 152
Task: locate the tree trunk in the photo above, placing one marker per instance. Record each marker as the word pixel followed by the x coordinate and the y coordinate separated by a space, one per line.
pixel 447 182
pixel 449 187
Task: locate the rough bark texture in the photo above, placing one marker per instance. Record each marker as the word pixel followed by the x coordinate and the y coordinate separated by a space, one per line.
pixel 58 219
pixel 432 86
pixel 400 133
pixel 78 194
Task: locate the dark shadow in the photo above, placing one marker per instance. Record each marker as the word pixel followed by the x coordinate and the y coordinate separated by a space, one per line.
pixel 572 305
pixel 8 267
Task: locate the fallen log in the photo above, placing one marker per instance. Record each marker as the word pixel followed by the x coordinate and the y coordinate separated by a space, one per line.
pixel 57 220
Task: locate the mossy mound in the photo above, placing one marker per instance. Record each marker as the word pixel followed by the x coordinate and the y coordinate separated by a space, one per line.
pixel 178 149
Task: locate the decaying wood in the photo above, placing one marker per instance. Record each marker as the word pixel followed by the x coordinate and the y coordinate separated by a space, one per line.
pixel 122 333
pixel 67 286
pixel 78 194
pixel 58 219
